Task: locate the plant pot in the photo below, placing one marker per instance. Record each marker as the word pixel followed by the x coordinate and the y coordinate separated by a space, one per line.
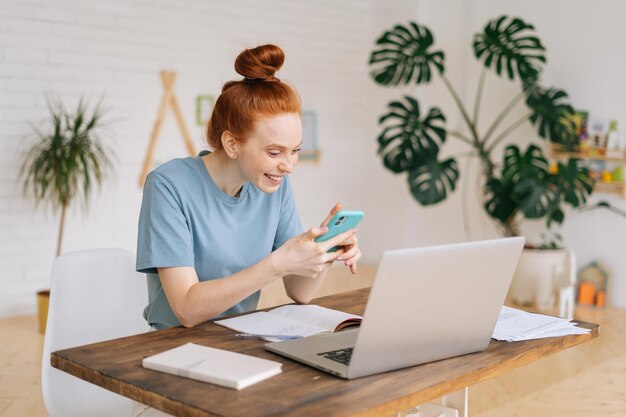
pixel 43 300
pixel 537 275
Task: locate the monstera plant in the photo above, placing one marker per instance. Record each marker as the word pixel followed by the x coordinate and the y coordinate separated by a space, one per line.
pixel 522 185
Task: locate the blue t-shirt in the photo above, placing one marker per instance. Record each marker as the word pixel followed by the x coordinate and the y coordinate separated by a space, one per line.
pixel 186 220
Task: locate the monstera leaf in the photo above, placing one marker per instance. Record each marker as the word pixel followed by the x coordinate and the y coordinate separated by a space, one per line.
pixel 520 186
pixel 536 197
pixel 531 164
pixel 405 53
pixel 500 203
pixel 523 186
pixel 555 215
pixel 573 182
pixel 407 140
pixel 552 115
pixel 529 172
pixel 431 180
pixel 508 44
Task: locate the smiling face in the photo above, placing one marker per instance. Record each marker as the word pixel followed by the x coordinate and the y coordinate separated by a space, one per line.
pixel 270 151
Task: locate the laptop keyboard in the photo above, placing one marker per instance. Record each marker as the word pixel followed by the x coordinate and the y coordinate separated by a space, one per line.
pixel 339 355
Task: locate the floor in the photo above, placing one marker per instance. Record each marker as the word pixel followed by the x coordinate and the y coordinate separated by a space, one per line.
pixel 587 380
pixel 21 347
pixel 583 381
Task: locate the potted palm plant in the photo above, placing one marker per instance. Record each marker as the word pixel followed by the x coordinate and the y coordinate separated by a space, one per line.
pixel 522 185
pixel 67 160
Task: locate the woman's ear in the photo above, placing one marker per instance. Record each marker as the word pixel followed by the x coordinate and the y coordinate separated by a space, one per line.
pixel 229 143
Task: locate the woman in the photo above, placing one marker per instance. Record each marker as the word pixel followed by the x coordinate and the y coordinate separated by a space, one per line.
pixel 217 228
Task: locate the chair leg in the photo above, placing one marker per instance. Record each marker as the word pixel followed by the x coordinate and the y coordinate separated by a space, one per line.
pixel 452 405
pixel 457 400
pixel 429 410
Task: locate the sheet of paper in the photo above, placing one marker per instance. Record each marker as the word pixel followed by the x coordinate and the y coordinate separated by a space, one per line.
pixel 562 332
pixel 516 325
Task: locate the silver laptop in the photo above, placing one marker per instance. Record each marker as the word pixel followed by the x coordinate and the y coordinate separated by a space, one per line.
pixel 425 304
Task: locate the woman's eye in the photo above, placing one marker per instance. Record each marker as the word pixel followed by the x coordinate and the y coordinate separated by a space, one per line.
pixel 297 150
pixel 274 154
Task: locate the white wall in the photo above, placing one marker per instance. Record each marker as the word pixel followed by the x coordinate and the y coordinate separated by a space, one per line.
pixel 397 220
pixel 115 49
pixel 586 58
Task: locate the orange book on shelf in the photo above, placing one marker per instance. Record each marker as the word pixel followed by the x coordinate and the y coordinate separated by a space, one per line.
pixel 601 299
pixel 586 293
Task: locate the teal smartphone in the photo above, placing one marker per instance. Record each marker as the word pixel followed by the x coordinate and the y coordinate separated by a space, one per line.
pixel 341 222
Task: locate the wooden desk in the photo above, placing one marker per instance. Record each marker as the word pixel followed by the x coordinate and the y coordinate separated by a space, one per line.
pixel 299 390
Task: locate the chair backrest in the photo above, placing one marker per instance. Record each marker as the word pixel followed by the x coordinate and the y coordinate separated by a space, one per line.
pixel 95 295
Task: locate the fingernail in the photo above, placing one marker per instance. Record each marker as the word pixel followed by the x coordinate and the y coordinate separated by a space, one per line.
pixel 355 230
pixel 341 258
pixel 324 228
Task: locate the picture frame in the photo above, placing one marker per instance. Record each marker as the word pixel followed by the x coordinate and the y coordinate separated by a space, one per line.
pixel 204 107
pixel 310 151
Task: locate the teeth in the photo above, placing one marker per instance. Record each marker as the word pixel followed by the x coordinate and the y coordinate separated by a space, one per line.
pixel 273 177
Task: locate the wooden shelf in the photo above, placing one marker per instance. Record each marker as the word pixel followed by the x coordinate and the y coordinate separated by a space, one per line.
pixel 619 188
pixel 612 188
pixel 557 152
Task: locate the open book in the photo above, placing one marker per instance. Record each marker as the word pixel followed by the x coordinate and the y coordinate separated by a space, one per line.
pixel 217 366
pixel 291 320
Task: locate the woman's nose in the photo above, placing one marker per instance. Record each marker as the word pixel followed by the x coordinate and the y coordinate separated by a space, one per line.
pixel 287 165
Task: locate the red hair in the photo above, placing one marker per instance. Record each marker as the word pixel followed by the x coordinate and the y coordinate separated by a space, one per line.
pixel 260 93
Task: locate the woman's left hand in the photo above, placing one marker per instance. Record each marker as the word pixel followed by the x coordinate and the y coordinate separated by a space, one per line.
pixel 350 247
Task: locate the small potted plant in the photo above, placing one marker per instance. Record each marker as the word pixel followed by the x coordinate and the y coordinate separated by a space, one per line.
pixel 67 160
pixel 521 185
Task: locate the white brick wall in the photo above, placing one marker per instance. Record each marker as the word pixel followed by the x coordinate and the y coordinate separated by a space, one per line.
pixel 115 49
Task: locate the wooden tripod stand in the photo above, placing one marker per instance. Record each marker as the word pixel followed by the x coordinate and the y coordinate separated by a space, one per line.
pixel 168 100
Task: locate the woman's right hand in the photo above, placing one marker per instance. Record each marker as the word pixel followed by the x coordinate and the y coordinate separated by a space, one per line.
pixel 301 255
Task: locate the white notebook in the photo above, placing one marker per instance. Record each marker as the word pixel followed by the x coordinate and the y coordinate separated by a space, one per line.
pixel 216 366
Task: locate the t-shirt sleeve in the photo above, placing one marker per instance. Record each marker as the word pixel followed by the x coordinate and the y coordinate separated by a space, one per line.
pixel 164 238
pixel 289 222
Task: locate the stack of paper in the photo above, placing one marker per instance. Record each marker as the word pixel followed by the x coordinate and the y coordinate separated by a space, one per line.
pixel 514 325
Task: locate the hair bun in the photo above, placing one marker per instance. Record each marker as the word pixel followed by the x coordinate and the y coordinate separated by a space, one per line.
pixel 260 63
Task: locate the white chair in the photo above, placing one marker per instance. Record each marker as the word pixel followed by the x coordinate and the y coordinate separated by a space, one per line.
pixel 95 295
